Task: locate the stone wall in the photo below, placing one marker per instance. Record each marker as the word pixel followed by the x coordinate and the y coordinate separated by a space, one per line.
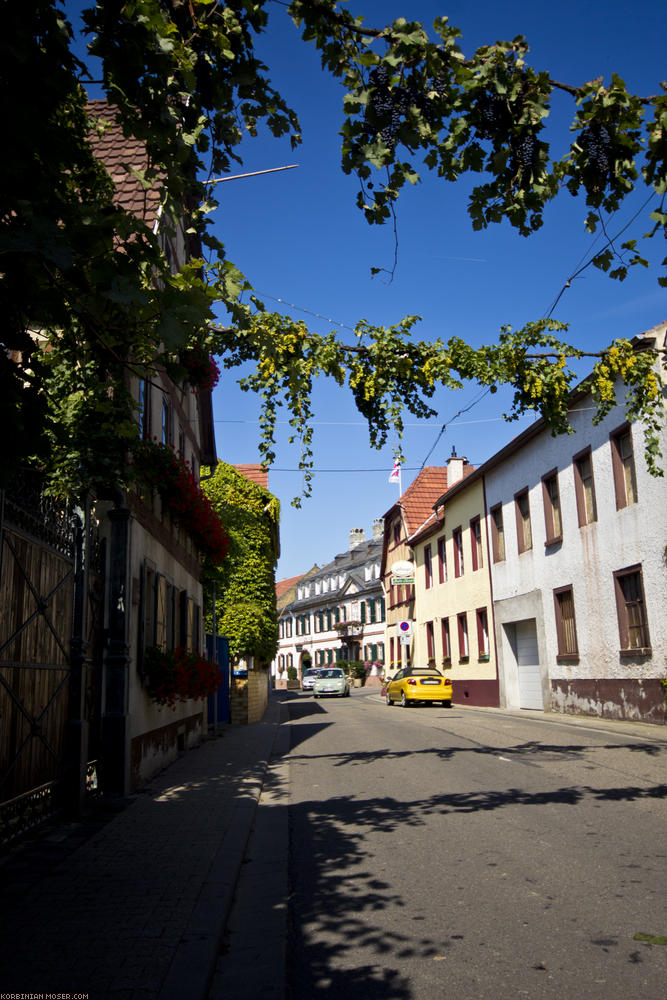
pixel 249 697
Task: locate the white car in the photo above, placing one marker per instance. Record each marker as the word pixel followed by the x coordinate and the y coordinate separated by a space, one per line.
pixel 309 678
pixel 332 681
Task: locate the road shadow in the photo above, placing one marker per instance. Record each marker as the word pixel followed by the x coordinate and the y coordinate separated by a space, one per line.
pixel 531 751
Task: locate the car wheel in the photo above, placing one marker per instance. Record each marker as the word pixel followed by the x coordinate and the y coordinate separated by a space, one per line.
pixel 388 699
pixel 447 703
pixel 404 700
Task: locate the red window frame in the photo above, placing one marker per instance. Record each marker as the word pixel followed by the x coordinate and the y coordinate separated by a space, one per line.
pixel 430 641
pixel 442 560
pixel 483 641
pixel 428 567
pixel 476 543
pixel 464 644
pixel 457 539
pixel 446 640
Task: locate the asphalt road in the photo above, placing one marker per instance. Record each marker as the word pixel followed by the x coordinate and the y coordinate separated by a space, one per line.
pixel 459 853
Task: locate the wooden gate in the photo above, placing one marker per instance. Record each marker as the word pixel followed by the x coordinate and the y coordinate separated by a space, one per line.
pixel 38 547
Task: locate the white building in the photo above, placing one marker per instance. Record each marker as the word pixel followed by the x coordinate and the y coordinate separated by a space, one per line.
pixel 338 612
pixel 578 529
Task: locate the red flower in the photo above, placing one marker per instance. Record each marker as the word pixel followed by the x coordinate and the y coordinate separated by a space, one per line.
pixel 162 469
pixel 179 675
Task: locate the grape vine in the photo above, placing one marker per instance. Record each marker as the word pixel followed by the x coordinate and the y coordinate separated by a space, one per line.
pixel 185 81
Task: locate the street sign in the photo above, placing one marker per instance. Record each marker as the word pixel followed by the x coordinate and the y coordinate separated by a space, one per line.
pixel 404 640
pixel 400 581
pixel 405 629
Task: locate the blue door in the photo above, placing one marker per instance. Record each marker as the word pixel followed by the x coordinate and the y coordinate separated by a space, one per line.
pixel 218 703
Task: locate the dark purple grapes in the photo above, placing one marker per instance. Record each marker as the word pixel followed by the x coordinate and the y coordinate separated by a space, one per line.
pixel 596 142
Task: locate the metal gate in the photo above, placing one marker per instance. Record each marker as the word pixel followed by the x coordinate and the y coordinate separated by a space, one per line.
pixel 39 543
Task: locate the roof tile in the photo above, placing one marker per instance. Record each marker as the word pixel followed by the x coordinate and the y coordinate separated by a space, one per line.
pixel 119 155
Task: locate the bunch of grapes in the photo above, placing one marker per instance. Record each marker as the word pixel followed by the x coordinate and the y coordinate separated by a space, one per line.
pixel 388 106
pixel 525 153
pixel 596 142
pixel 492 115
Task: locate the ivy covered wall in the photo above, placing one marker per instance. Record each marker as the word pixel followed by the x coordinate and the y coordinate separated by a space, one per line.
pixel 245 579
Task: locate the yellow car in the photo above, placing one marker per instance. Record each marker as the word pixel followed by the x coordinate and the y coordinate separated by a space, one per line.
pixel 414 684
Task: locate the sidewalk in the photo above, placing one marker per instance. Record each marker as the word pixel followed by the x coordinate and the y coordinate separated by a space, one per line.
pixel 137 910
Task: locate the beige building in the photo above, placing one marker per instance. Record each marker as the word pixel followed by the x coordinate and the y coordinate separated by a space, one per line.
pixel 453 615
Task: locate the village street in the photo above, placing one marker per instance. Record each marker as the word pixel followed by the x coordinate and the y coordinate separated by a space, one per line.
pixel 455 853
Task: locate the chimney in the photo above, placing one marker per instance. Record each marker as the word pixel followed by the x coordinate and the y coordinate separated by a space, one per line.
pixel 378 527
pixel 357 536
pixel 455 468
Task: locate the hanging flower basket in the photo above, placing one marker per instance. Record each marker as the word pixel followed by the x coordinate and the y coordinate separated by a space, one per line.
pixel 201 368
pixel 160 468
pixel 178 675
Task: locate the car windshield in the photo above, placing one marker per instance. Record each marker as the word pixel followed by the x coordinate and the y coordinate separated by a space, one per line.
pixel 431 671
pixel 312 673
pixel 331 673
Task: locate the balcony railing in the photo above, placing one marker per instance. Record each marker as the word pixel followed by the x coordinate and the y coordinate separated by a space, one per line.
pixel 349 628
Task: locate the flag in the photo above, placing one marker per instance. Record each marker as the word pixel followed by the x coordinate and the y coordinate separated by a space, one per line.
pixel 395 476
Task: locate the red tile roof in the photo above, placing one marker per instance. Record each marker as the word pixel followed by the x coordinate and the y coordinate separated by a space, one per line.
pixel 417 501
pixel 255 473
pixel 119 153
pixel 282 586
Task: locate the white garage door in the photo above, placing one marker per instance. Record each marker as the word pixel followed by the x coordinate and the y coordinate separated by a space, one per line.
pixel 528 662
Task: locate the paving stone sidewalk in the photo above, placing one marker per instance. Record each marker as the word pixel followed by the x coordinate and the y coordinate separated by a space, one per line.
pixel 137 910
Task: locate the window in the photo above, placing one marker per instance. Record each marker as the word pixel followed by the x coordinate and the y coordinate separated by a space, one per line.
pixel 446 641
pixel 148 581
pixel 551 501
pixel 523 529
pixel 162 613
pixel 497 533
pixel 476 543
pixel 584 488
pixel 442 560
pixel 482 633
pixel 462 621
pixel 631 608
pixel 623 464
pixel 166 421
pixel 391 649
pixel 144 408
pixel 430 641
pixel 566 629
pixel 457 538
pixel 190 623
pixel 428 567
pixel 181 441
pixel 397 532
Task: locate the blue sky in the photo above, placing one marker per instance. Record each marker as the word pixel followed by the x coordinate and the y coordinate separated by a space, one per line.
pixel 299 237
